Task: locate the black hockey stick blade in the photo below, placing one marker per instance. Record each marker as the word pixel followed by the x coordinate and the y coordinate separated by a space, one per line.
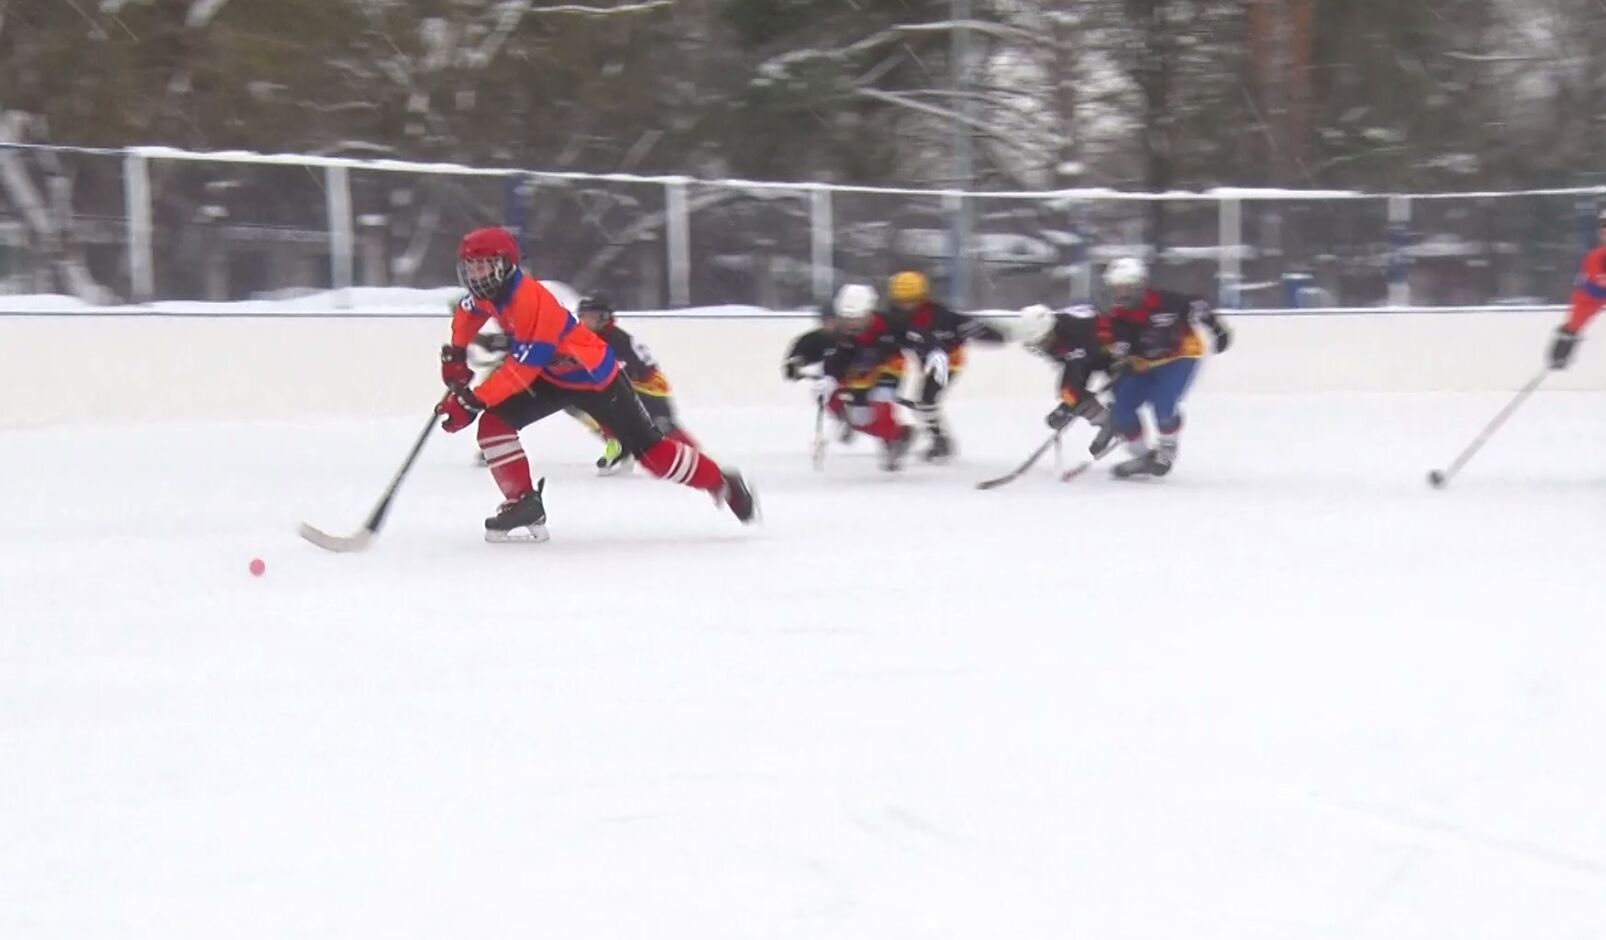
pixel 1438 479
pixel 359 540
pixel 1016 473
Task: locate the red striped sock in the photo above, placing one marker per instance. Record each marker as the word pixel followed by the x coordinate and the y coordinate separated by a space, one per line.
pixel 677 463
pixel 510 468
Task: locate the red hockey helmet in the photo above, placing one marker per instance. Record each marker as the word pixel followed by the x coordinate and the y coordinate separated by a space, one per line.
pixel 486 260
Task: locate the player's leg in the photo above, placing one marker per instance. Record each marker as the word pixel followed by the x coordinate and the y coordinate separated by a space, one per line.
pixel 1131 391
pixel 661 409
pixel 619 408
pixel 928 408
pixel 522 515
pixel 1171 382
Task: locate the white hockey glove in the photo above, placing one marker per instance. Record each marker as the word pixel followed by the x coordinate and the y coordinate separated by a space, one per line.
pixel 824 388
pixel 937 366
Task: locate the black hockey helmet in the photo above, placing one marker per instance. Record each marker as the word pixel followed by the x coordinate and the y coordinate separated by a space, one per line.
pixel 598 306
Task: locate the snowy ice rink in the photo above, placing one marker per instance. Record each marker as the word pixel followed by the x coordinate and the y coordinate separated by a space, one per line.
pixel 1288 693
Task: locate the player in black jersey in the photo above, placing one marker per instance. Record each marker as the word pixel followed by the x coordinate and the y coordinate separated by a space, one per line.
pixel 937 336
pixel 641 368
pixel 1071 339
pixel 861 359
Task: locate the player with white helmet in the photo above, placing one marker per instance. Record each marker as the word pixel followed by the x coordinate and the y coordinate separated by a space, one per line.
pixel 1071 339
pixel 861 359
pixel 1153 332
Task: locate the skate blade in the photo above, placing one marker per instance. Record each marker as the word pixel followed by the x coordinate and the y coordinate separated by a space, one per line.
pixel 526 534
pixel 613 470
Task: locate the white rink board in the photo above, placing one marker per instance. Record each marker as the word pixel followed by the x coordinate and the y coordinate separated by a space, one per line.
pixel 116 368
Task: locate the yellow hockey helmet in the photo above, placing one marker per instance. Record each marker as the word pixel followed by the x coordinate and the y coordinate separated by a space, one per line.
pixel 908 288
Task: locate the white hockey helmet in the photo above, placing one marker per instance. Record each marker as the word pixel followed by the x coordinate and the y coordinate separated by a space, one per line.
pixel 1126 272
pixel 1036 323
pixel 855 301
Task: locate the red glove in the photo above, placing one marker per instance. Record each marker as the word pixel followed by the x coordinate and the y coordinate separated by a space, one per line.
pixel 454 366
pixel 460 407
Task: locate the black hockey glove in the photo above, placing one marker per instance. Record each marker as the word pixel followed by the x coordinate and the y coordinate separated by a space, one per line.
pixel 1561 347
pixel 792 369
pixel 1088 409
pixel 1222 334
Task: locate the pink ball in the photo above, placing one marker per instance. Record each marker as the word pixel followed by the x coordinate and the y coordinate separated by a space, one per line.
pixel 257 567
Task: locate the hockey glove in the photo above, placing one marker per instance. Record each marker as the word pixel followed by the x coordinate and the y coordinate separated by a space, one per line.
pixel 454 366
pixel 824 388
pixel 937 366
pixel 1088 409
pixel 792 369
pixel 1222 334
pixel 1561 347
pixel 459 409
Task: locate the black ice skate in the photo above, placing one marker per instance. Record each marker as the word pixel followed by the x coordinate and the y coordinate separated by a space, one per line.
pixel 897 448
pixel 1140 466
pixel 736 494
pixel 519 520
pixel 940 449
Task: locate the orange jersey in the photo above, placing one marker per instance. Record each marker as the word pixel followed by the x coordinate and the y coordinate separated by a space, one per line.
pixel 1589 290
pixel 545 341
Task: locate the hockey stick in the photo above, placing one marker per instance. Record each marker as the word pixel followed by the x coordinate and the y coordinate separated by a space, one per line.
pixel 1016 473
pixel 1439 478
pixel 819 434
pixel 360 539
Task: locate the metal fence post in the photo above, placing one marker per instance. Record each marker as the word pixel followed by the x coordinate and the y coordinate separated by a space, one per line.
pixel 822 243
pixel 1229 233
pixel 137 204
pixel 342 237
pixel 1399 272
pixel 678 243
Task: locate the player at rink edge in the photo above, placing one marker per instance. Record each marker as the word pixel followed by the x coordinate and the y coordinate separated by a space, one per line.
pixel 1588 297
pixel 861 357
pixel 1070 339
pixel 553 362
pixel 1152 330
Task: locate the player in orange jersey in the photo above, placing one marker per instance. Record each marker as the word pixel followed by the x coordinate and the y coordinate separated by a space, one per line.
pixel 1589 296
pixel 553 362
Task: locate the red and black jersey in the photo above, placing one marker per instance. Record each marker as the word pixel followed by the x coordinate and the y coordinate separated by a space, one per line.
pixel 871 356
pixel 636 360
pixel 1159 327
pixel 1075 344
pixel 936 326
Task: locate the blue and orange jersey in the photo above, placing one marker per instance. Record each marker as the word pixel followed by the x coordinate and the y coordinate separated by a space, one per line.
pixel 1589 290
pixel 545 341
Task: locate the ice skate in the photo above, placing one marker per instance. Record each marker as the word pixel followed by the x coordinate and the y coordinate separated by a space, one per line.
pixel 940 449
pixel 897 448
pixel 736 494
pixel 614 459
pixel 519 520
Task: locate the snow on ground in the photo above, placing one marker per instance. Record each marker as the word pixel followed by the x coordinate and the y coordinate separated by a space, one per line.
pixel 1288 693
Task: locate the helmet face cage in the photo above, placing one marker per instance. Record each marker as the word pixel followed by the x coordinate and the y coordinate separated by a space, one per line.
pixel 597 307
pixel 488 283
pixel 1126 278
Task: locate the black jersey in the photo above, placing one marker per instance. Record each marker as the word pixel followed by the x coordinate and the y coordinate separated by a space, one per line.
pixel 636 361
pixel 936 326
pixel 1075 344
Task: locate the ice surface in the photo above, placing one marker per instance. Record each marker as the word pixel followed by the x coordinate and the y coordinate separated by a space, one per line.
pixel 1290 692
